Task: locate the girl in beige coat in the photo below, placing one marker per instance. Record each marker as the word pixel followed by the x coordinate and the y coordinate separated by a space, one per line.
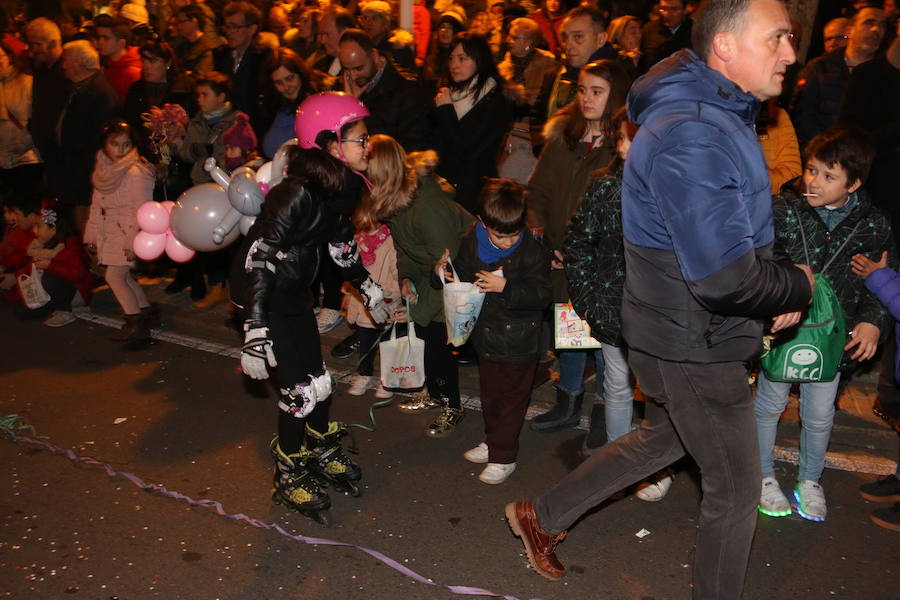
pixel 122 181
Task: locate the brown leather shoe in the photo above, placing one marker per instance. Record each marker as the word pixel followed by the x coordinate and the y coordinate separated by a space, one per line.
pixel 540 546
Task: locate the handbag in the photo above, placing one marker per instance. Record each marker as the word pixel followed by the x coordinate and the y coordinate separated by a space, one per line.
pixel 33 293
pixel 571 332
pixel 402 359
pixel 811 351
pixel 462 305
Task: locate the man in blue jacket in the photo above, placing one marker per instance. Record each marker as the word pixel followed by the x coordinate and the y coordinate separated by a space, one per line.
pixel 701 278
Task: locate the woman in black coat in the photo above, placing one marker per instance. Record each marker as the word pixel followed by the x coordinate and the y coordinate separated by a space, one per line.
pixel 471 117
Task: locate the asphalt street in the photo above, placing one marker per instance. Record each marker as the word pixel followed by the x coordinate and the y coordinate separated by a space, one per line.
pixel 186 419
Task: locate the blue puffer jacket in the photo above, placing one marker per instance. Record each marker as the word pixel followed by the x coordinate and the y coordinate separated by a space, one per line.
pixel 697 220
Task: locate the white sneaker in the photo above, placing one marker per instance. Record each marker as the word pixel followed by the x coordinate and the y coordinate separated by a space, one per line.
pixel 328 319
pixel 359 385
pixel 772 501
pixel 60 318
pixel 496 473
pixel 382 392
pixel 810 500
pixel 478 454
pixel 655 488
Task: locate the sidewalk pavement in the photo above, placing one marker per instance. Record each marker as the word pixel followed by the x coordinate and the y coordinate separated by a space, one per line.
pixel 860 441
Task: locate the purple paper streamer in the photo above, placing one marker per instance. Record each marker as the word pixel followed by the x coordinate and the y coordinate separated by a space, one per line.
pixel 217 507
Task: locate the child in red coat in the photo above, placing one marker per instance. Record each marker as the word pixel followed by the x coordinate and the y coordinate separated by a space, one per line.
pixel 21 215
pixel 57 251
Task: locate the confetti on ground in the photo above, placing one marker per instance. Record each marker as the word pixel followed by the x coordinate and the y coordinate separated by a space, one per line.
pixel 642 533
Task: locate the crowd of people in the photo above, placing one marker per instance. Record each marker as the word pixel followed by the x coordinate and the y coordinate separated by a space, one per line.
pixel 669 171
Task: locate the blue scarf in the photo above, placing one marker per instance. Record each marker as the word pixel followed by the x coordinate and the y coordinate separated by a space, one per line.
pixel 488 253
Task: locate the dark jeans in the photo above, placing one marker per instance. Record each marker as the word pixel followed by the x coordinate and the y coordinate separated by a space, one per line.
pixel 505 394
pixel 441 371
pixel 61 295
pixel 295 341
pixel 706 410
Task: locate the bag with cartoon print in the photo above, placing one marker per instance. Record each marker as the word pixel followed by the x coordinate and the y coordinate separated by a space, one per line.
pixel 811 351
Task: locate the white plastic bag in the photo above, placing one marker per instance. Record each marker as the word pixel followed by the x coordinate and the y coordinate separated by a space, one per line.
pixel 402 360
pixel 33 293
pixel 462 305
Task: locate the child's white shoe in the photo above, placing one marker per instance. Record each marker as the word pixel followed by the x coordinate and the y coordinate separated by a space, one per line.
pixel 60 318
pixel 382 392
pixel 478 454
pixel 771 499
pixel 810 500
pixel 495 473
pixel 359 385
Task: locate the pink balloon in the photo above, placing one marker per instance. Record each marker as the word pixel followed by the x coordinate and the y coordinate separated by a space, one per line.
pixel 178 251
pixel 168 205
pixel 152 217
pixel 149 246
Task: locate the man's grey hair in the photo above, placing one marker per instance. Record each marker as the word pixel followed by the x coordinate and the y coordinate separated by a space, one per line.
pixel 84 54
pixel 717 16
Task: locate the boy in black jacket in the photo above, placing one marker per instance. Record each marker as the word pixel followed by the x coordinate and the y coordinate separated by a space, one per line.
pixel 512 266
pixel 823 219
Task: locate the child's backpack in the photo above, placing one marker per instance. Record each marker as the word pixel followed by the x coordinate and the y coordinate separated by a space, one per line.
pixel 811 351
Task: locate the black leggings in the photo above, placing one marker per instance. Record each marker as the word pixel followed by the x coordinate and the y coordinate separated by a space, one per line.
pixel 441 371
pixel 295 340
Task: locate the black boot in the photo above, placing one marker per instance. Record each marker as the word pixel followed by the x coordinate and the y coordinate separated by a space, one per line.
pixel 134 329
pixel 596 436
pixel 151 315
pixel 565 415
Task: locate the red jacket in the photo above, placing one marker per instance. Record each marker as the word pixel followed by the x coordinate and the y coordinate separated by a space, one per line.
pixel 13 249
pixel 124 71
pixel 71 265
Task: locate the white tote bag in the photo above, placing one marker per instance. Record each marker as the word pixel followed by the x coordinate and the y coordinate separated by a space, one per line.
pixel 462 305
pixel 402 360
pixel 33 293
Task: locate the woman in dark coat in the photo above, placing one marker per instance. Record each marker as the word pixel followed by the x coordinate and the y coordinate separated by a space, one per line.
pixel 471 117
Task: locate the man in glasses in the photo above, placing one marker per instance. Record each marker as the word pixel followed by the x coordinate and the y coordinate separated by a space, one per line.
pixel 667 34
pixel 822 83
pixel 836 34
pixel 242 58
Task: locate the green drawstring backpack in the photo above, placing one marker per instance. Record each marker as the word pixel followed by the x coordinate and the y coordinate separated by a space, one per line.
pixel 811 351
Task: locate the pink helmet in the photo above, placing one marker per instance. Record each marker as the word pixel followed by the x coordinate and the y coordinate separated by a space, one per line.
pixel 326 111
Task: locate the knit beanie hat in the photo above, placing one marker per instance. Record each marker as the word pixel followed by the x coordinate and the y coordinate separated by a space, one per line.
pixel 455 15
pixel 240 134
pixel 135 11
pixel 378 7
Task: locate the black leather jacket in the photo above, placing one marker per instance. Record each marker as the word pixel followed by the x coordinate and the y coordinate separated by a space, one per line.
pixel 279 257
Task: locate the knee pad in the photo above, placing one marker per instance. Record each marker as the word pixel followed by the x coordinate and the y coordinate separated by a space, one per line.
pixel 300 400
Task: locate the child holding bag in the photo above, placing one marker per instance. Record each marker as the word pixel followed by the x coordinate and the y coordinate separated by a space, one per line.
pixel 376 250
pixel 122 181
pixel 511 265
pixel 57 256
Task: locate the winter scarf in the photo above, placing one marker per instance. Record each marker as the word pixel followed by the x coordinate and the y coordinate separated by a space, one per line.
pixel 464 100
pixel 369 243
pixel 520 64
pixel 488 253
pixel 108 173
pixel 214 116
